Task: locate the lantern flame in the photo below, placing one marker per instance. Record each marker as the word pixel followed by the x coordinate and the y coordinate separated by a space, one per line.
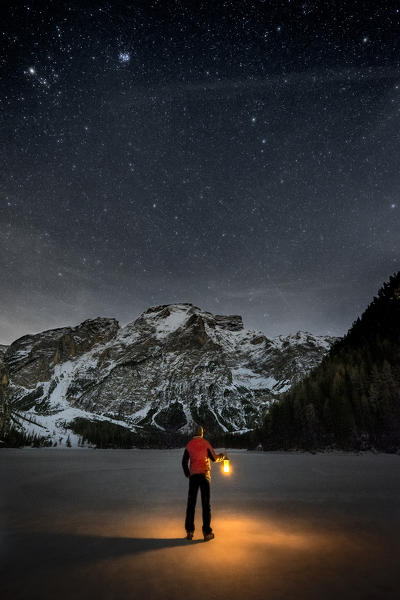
pixel 226 466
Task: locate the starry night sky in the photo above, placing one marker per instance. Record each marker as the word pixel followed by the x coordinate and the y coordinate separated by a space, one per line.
pixel 242 156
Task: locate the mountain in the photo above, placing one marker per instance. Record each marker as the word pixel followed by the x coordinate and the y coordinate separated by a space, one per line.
pixel 173 366
pixel 3 349
pixel 352 399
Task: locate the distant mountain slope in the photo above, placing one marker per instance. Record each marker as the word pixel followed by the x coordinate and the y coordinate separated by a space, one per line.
pixel 174 366
pixel 352 399
pixel 3 349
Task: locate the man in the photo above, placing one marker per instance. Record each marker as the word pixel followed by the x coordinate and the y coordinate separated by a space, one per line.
pixel 199 452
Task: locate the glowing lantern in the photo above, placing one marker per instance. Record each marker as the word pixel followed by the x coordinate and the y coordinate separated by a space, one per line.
pixel 227 467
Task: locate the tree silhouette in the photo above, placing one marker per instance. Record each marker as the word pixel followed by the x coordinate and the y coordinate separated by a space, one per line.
pixel 352 399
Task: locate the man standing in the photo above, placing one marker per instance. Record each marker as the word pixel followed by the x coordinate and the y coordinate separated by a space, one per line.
pixel 199 452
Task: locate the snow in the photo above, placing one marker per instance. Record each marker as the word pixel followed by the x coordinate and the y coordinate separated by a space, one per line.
pixel 63 375
pixel 302 338
pixel 188 416
pixel 153 422
pixel 52 425
pixel 141 413
pixel 109 524
pixel 177 318
pixel 218 421
pixel 19 354
pixel 242 376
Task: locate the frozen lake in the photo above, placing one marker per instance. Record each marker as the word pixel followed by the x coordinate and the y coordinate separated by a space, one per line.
pixel 108 524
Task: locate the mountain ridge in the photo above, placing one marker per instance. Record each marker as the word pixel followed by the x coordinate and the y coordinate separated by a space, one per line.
pixel 172 366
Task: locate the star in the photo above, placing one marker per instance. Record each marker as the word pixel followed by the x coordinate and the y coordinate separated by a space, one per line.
pixel 124 57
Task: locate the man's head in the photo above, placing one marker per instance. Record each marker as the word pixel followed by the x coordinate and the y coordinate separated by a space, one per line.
pixel 198 431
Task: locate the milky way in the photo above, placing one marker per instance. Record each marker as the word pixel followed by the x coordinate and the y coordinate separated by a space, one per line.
pixel 235 155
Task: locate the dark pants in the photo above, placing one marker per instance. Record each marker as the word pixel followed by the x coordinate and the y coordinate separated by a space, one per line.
pixel 195 482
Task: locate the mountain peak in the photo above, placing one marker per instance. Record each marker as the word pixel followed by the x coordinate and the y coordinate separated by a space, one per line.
pixel 164 319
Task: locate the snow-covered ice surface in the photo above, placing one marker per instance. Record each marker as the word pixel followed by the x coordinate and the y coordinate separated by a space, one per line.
pixel 108 524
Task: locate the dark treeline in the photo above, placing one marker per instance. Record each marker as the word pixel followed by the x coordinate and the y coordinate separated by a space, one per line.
pixel 15 438
pixel 104 434
pixel 352 399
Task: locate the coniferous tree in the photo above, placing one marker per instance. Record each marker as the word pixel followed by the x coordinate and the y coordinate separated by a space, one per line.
pixel 352 399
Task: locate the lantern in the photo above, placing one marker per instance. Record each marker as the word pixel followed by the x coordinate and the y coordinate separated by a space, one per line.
pixel 226 468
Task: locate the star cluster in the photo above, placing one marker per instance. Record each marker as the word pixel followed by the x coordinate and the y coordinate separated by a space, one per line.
pixel 242 156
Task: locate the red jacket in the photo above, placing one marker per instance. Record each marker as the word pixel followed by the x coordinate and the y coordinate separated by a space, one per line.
pixel 199 451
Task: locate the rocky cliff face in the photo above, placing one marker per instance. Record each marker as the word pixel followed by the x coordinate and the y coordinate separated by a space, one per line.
pixel 173 366
pixel 3 349
pixel 32 358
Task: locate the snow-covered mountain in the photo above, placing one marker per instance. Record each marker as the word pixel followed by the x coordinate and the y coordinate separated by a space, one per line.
pixel 173 366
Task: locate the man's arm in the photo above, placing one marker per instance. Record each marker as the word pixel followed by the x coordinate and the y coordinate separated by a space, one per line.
pixel 185 461
pixel 214 457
